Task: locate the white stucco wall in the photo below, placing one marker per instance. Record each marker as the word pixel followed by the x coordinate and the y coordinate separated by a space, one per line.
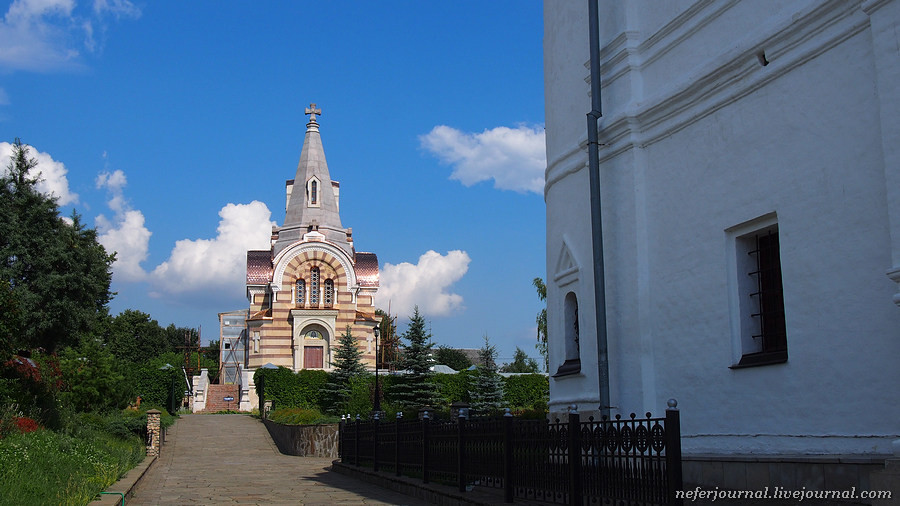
pixel 699 137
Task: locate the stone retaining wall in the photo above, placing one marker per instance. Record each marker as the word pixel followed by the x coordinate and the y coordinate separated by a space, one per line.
pixel 305 440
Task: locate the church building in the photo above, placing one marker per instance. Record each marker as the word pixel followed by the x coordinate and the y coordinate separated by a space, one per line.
pixel 312 284
pixel 739 248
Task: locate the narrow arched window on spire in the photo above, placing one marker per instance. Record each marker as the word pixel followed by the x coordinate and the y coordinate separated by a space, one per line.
pixel 314 287
pixel 314 192
pixel 300 295
pixel 328 296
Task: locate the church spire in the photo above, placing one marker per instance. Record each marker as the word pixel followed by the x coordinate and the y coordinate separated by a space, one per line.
pixel 313 203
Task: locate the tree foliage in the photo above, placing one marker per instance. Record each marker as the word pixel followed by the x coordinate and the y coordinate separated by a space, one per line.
pixel 526 391
pixel 487 389
pixel 521 363
pixel 414 390
pixel 541 321
pixel 288 389
pixel 347 366
pixel 453 358
pixel 134 336
pixel 93 377
pixel 58 275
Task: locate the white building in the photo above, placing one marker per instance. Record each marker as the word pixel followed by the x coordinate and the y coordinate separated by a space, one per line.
pixel 749 170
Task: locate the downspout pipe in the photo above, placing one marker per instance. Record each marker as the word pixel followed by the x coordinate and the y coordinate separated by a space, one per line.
pixel 593 119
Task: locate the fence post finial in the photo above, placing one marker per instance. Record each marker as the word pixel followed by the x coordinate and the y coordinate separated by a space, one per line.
pixel 507 412
pixel 672 404
pixel 573 409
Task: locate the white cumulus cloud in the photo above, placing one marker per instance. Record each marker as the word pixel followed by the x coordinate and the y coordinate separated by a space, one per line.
pixel 44 35
pixel 51 173
pixel 124 234
pixel 218 263
pixel 515 158
pixel 425 284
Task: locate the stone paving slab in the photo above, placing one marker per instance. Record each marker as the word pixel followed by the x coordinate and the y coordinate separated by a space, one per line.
pixel 231 459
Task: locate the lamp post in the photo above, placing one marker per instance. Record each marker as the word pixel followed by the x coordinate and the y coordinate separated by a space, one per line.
pixel 377 404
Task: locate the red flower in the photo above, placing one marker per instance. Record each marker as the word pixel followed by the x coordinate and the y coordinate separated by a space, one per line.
pixel 26 425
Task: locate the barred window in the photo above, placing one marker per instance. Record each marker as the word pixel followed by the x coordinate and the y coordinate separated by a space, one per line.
pixel 314 286
pixel 328 296
pixel 300 295
pixel 763 327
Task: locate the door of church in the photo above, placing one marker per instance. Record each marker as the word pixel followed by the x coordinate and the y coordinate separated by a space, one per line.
pixel 313 358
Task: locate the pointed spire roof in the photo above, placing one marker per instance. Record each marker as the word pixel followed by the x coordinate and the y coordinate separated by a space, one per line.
pixel 313 205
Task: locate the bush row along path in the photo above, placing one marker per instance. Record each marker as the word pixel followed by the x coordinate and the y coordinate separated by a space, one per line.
pixel 231 459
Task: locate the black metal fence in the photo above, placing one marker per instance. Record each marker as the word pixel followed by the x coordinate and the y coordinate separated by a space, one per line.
pixel 633 461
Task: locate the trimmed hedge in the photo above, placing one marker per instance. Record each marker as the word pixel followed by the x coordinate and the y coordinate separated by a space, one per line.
pixel 289 390
pixel 158 387
pixel 520 392
pixel 526 392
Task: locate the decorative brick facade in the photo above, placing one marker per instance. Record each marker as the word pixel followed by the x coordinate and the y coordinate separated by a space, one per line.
pixel 336 284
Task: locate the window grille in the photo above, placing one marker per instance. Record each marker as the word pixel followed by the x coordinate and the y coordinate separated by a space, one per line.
pixel 314 287
pixel 328 297
pixel 769 295
pixel 300 296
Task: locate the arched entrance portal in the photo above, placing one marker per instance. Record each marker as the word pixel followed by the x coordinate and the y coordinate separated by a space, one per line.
pixel 313 332
pixel 315 346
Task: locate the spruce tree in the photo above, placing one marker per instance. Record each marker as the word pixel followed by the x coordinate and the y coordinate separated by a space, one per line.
pixel 415 389
pixel 347 365
pixel 487 392
pixel 55 274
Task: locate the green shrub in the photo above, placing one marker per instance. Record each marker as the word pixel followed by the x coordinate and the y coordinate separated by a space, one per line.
pixel 300 416
pixel 362 396
pixel 454 387
pixel 289 390
pixel 157 387
pixel 31 387
pixel 526 392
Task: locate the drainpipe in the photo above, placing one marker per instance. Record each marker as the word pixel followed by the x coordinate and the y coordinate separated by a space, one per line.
pixel 593 118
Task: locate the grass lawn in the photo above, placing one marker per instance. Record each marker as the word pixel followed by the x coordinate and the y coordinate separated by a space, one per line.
pixel 46 467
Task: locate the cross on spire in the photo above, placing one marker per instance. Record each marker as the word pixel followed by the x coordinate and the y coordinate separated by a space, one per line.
pixel 312 111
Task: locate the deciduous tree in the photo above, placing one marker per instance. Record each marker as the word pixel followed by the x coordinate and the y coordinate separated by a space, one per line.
pixel 453 358
pixel 134 336
pixel 541 321
pixel 521 363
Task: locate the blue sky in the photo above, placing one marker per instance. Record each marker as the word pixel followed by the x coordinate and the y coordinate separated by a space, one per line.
pixel 172 126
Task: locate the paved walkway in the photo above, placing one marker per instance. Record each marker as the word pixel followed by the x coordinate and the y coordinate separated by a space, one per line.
pixel 230 459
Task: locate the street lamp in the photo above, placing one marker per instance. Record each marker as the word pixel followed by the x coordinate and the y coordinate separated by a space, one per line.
pixel 377 405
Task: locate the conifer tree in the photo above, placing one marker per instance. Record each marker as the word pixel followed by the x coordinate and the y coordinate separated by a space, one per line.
pixel 56 275
pixel 414 389
pixel 487 392
pixel 347 365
